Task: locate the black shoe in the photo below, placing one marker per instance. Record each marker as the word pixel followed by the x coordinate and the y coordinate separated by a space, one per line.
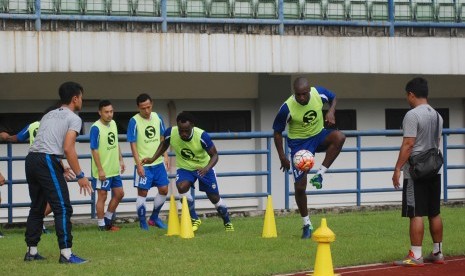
pixel 29 257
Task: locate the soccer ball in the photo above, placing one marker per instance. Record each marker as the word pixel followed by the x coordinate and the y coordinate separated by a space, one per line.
pixel 303 160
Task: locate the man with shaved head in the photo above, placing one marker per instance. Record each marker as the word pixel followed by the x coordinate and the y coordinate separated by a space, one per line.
pixel 303 112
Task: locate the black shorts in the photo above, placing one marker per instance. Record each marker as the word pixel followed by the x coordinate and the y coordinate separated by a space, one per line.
pixel 421 197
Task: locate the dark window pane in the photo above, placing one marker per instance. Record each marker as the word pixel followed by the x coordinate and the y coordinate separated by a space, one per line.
pixel 346 119
pixel 395 117
pixel 223 121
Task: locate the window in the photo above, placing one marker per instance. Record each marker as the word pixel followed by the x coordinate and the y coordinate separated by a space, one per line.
pixel 12 123
pixel 346 119
pixel 223 121
pixel 394 117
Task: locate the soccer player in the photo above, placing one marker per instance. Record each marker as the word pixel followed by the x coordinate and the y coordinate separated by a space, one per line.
pixel 44 174
pixel 2 181
pixel 304 115
pixel 107 163
pixel 196 156
pixel 144 134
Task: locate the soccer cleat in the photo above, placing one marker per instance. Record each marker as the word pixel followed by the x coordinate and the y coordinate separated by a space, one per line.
pixel 228 227
pixel 410 260
pixel 307 231
pixel 195 224
pixel 110 228
pixel 143 225
pixel 29 257
pixel 317 181
pixel 435 258
pixel 158 223
pixel 72 260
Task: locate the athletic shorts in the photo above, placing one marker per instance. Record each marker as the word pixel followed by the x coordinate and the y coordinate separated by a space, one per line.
pixel 108 184
pixel 312 144
pixel 421 197
pixel 155 176
pixel 207 183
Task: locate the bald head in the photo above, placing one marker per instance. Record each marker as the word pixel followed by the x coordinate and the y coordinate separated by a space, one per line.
pixel 301 84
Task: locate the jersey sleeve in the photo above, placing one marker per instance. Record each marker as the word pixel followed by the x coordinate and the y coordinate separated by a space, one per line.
pixel 206 141
pixel 75 124
pixel 94 135
pixel 410 125
pixel 162 125
pixel 326 95
pixel 279 124
pixel 167 134
pixel 132 131
pixel 23 135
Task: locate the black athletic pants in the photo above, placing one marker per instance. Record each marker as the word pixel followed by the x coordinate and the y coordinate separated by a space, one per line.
pixel 46 182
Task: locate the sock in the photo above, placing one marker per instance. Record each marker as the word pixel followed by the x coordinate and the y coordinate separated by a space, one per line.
pixel 437 247
pixel 66 252
pixel 306 220
pixel 416 251
pixel 109 215
pixel 223 211
pixel 190 204
pixel 140 206
pixel 322 170
pixel 32 250
pixel 101 222
pixel 157 204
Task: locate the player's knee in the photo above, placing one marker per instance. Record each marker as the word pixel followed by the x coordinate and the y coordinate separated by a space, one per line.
pixel 163 190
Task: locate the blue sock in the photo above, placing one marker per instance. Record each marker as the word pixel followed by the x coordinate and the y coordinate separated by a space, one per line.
pixel 155 212
pixel 223 211
pixel 191 206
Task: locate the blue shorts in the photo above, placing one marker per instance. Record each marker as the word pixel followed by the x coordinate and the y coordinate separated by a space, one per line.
pixel 207 183
pixel 155 176
pixel 312 144
pixel 108 184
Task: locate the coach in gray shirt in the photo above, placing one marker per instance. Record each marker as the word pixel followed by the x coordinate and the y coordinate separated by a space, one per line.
pixel 55 139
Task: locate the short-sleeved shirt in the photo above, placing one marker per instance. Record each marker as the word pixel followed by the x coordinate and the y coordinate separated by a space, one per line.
pixel 193 154
pixel 52 131
pixel 306 125
pixel 28 132
pixel 421 123
pixel 146 133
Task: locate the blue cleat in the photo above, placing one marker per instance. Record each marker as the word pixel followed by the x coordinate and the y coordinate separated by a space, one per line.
pixel 143 225
pixel 317 181
pixel 29 257
pixel 158 223
pixel 72 260
pixel 307 231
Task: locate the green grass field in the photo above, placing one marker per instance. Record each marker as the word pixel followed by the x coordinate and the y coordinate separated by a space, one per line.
pixel 362 237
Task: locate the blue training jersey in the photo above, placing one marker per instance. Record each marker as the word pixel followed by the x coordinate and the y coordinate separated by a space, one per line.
pixel 23 135
pixel 283 116
pixel 132 129
pixel 205 139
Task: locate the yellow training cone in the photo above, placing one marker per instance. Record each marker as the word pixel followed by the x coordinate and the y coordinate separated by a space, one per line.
pixel 323 263
pixel 173 219
pixel 269 226
pixel 186 224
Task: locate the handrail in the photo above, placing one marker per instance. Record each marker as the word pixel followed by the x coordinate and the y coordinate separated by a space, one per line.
pixel 280 21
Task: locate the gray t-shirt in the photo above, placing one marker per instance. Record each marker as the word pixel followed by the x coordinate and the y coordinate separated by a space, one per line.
pixel 421 123
pixel 52 131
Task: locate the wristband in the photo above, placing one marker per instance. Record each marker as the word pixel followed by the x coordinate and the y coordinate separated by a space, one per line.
pixel 81 175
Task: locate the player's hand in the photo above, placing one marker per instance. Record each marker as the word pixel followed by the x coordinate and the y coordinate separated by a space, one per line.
pixel 202 171
pixel 85 186
pixel 101 175
pixel 395 179
pixel 140 169
pixel 2 180
pixel 285 164
pixel 146 161
pixel 330 120
pixel 122 166
pixel 4 136
pixel 69 174
pixel 167 164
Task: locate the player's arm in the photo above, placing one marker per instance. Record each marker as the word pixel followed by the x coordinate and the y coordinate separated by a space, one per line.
pixel 2 179
pixel 404 154
pixel 209 147
pixel 132 139
pixel 5 137
pixel 71 156
pixel 121 160
pixel 67 172
pixel 279 125
pixel 166 158
pixel 330 98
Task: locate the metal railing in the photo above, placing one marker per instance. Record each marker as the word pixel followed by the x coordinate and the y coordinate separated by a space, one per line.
pixel 280 21
pixel 356 169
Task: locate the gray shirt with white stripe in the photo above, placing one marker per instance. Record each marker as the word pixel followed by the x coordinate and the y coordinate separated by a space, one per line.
pixel 52 131
pixel 421 123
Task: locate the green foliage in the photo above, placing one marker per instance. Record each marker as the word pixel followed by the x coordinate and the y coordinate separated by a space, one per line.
pixel 361 238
